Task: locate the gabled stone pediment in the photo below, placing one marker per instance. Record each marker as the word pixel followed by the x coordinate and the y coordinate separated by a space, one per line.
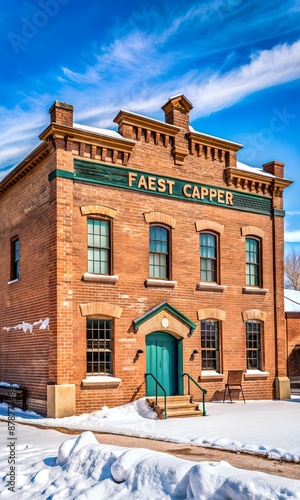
pixel 165 318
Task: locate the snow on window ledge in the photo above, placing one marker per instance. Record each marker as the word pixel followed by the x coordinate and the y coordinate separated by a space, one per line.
pixel 213 287
pixel 95 381
pixel 255 289
pixel 100 278
pixel 255 374
pixel 160 283
pixel 208 374
pixel 13 281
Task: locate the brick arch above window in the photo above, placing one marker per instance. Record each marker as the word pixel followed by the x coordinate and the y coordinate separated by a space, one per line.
pixel 209 225
pixel 255 314
pixel 98 210
pixel 100 309
pixel 211 313
pixel 160 217
pixel 255 231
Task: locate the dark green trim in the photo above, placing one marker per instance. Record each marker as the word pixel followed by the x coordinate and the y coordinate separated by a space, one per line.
pixel 278 213
pixel 164 306
pixel 110 175
pixel 180 366
pixel 65 174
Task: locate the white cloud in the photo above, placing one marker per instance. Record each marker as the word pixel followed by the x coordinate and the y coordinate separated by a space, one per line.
pixel 266 69
pixel 141 67
pixel 292 236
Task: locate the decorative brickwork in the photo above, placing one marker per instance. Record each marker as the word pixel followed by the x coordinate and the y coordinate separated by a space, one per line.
pixel 98 210
pixel 158 217
pixel 100 309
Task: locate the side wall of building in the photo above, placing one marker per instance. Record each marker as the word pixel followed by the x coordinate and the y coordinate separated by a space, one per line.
pixel 24 316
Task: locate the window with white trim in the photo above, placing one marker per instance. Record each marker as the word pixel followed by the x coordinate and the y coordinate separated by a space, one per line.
pixel 99 246
pixel 208 257
pixel 253 264
pixel 159 252
pixel 253 345
pixel 210 342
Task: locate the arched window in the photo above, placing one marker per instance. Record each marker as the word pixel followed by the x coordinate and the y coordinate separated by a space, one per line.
pixel 159 252
pixel 99 246
pixel 253 261
pixel 208 257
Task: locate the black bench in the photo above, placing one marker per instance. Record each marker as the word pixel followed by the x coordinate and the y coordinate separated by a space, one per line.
pixel 13 394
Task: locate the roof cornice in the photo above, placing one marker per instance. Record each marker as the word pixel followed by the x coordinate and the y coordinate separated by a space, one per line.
pixel 75 134
pixel 26 165
pixel 253 181
pixel 127 118
pixel 214 142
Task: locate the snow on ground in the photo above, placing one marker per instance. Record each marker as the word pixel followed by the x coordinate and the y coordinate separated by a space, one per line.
pixel 83 469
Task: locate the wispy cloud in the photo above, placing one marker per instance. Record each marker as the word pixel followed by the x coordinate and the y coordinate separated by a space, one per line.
pixel 265 69
pixel 162 51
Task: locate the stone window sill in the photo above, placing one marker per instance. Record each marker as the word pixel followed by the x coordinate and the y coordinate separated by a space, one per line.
pixel 211 375
pixel 255 374
pixel 13 281
pixel 100 278
pixel 100 382
pixel 211 287
pixel 160 283
pixel 255 290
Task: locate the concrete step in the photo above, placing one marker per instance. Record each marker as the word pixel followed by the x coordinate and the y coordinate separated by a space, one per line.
pixel 176 406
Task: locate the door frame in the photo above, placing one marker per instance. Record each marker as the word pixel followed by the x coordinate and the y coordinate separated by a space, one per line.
pixel 179 345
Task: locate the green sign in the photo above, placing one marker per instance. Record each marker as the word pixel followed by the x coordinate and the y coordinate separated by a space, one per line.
pixel 170 187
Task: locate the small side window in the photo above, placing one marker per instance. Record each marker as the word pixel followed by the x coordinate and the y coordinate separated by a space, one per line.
pixel 15 258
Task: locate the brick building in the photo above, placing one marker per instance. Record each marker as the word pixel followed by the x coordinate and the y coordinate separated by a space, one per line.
pixel 150 249
pixel 292 314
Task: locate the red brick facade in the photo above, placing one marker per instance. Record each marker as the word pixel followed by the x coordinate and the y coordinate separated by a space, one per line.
pixel 46 202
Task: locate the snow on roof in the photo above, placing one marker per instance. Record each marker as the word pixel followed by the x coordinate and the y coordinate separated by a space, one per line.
pixel 254 170
pixel 214 137
pixel 291 300
pixel 146 117
pixel 101 131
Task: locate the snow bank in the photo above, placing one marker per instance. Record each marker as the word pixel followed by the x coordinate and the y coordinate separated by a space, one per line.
pixel 87 470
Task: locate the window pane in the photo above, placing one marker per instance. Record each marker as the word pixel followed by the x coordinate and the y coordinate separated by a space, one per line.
pixel 210 345
pixel 159 252
pixel 253 350
pixel 208 257
pixel 98 246
pixel 99 346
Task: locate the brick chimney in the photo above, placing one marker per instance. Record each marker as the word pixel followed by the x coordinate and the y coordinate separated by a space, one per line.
pixel 61 113
pixel 177 112
pixel 275 168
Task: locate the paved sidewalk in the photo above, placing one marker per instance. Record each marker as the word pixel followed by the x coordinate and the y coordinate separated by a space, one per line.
pixel 198 453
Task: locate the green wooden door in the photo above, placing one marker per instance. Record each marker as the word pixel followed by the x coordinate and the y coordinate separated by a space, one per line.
pixel 162 362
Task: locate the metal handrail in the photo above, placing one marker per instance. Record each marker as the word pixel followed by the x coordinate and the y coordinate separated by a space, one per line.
pixel 204 391
pixel 165 394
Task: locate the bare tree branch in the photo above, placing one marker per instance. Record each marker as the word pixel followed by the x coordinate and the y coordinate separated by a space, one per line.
pixel 292 271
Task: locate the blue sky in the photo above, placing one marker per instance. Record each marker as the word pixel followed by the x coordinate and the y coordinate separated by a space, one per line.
pixel 237 61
